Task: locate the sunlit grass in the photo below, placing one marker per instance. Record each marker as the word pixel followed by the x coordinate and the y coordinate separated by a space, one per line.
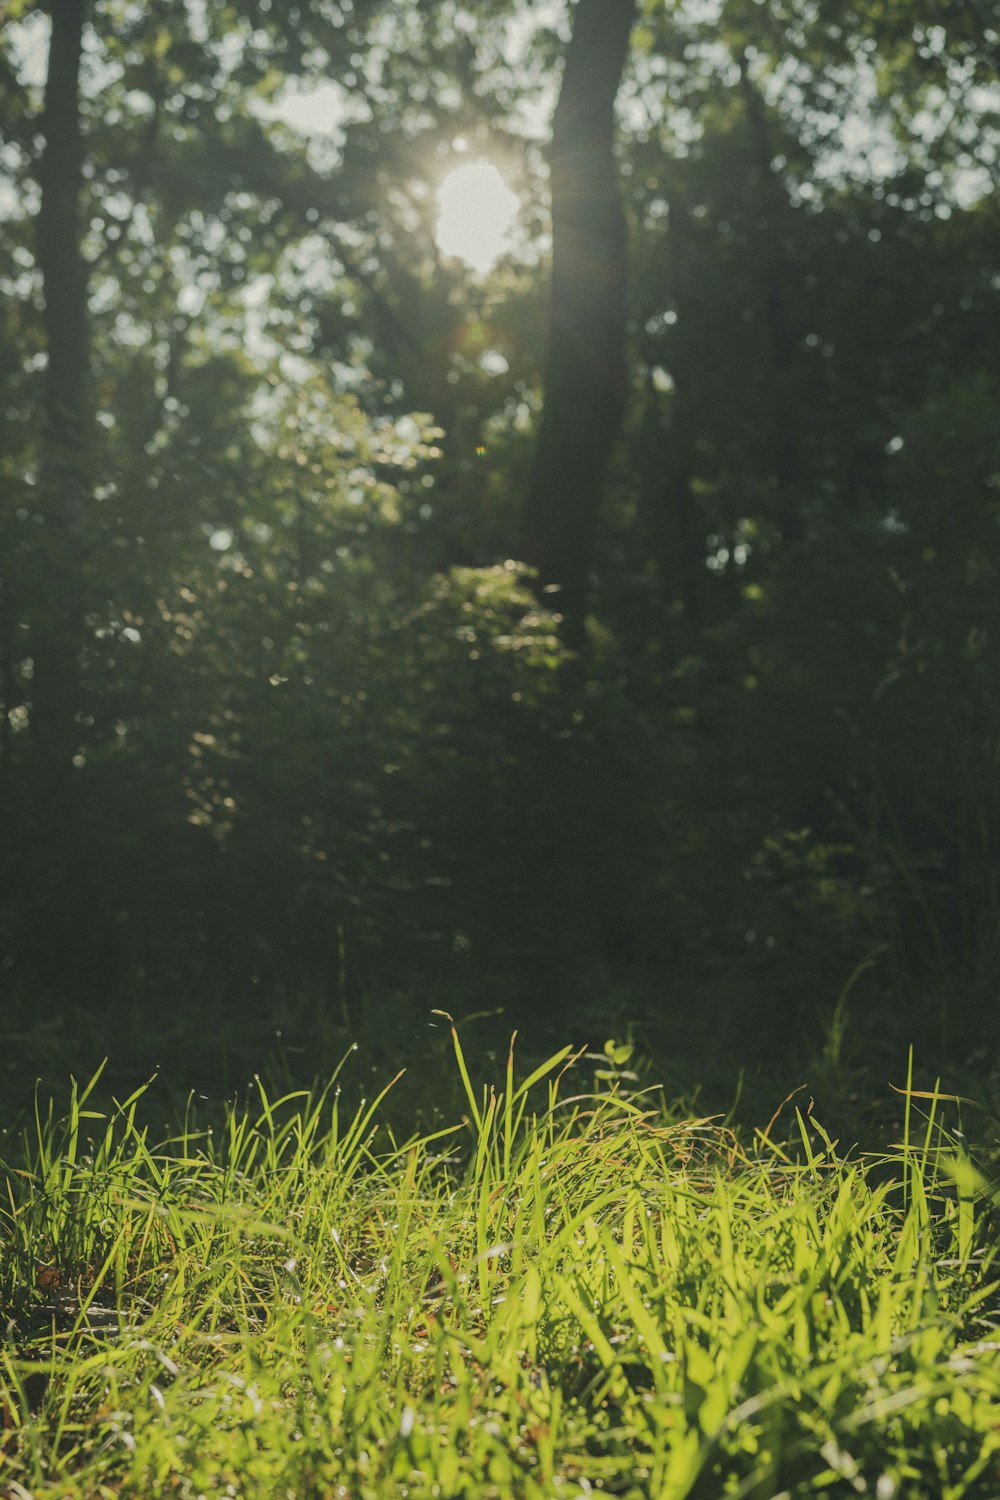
pixel 567 1291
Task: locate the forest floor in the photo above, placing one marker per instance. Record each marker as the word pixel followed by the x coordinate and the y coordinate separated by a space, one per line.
pixel 499 1277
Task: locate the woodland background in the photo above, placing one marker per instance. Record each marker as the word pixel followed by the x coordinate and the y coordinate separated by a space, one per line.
pixel 610 636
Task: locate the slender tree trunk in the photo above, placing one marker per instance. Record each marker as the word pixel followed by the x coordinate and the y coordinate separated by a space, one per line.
pixel 677 539
pixel 785 448
pixel 7 658
pixel 71 920
pixel 585 372
pixel 59 607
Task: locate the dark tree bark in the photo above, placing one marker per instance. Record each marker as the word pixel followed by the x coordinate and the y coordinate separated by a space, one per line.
pixel 784 427
pixel 59 606
pixel 57 860
pixel 678 541
pixel 585 371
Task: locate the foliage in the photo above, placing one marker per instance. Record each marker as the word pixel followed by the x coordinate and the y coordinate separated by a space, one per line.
pixel 320 709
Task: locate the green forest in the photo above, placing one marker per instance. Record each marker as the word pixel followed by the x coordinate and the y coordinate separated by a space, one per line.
pixel 499 519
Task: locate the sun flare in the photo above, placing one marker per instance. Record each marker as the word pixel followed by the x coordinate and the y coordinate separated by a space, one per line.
pixel 477 211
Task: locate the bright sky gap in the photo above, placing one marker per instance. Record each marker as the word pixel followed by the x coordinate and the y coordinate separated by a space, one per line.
pixel 477 213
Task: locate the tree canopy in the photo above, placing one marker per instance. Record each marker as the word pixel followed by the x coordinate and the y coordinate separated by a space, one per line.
pixel 627 607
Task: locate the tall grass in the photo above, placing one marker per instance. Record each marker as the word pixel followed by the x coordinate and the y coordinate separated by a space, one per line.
pixel 567 1291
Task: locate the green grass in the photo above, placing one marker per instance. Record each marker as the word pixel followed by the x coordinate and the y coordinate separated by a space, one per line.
pixel 570 1290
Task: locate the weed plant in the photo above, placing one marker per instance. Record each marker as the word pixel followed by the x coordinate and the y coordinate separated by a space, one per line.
pixel 569 1290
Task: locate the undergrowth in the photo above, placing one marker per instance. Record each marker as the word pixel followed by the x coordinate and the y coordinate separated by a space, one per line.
pixel 570 1289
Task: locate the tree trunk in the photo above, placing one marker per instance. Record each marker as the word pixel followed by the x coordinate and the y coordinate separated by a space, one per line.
pixel 585 371
pixel 678 539
pixel 59 605
pixel 783 434
pixel 58 859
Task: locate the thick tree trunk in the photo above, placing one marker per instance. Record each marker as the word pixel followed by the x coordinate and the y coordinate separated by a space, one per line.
pixel 585 372
pixel 59 604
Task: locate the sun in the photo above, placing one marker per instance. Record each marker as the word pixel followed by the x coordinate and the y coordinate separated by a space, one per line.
pixel 477 211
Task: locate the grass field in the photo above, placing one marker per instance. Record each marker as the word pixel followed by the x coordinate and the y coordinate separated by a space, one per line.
pixel 570 1289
